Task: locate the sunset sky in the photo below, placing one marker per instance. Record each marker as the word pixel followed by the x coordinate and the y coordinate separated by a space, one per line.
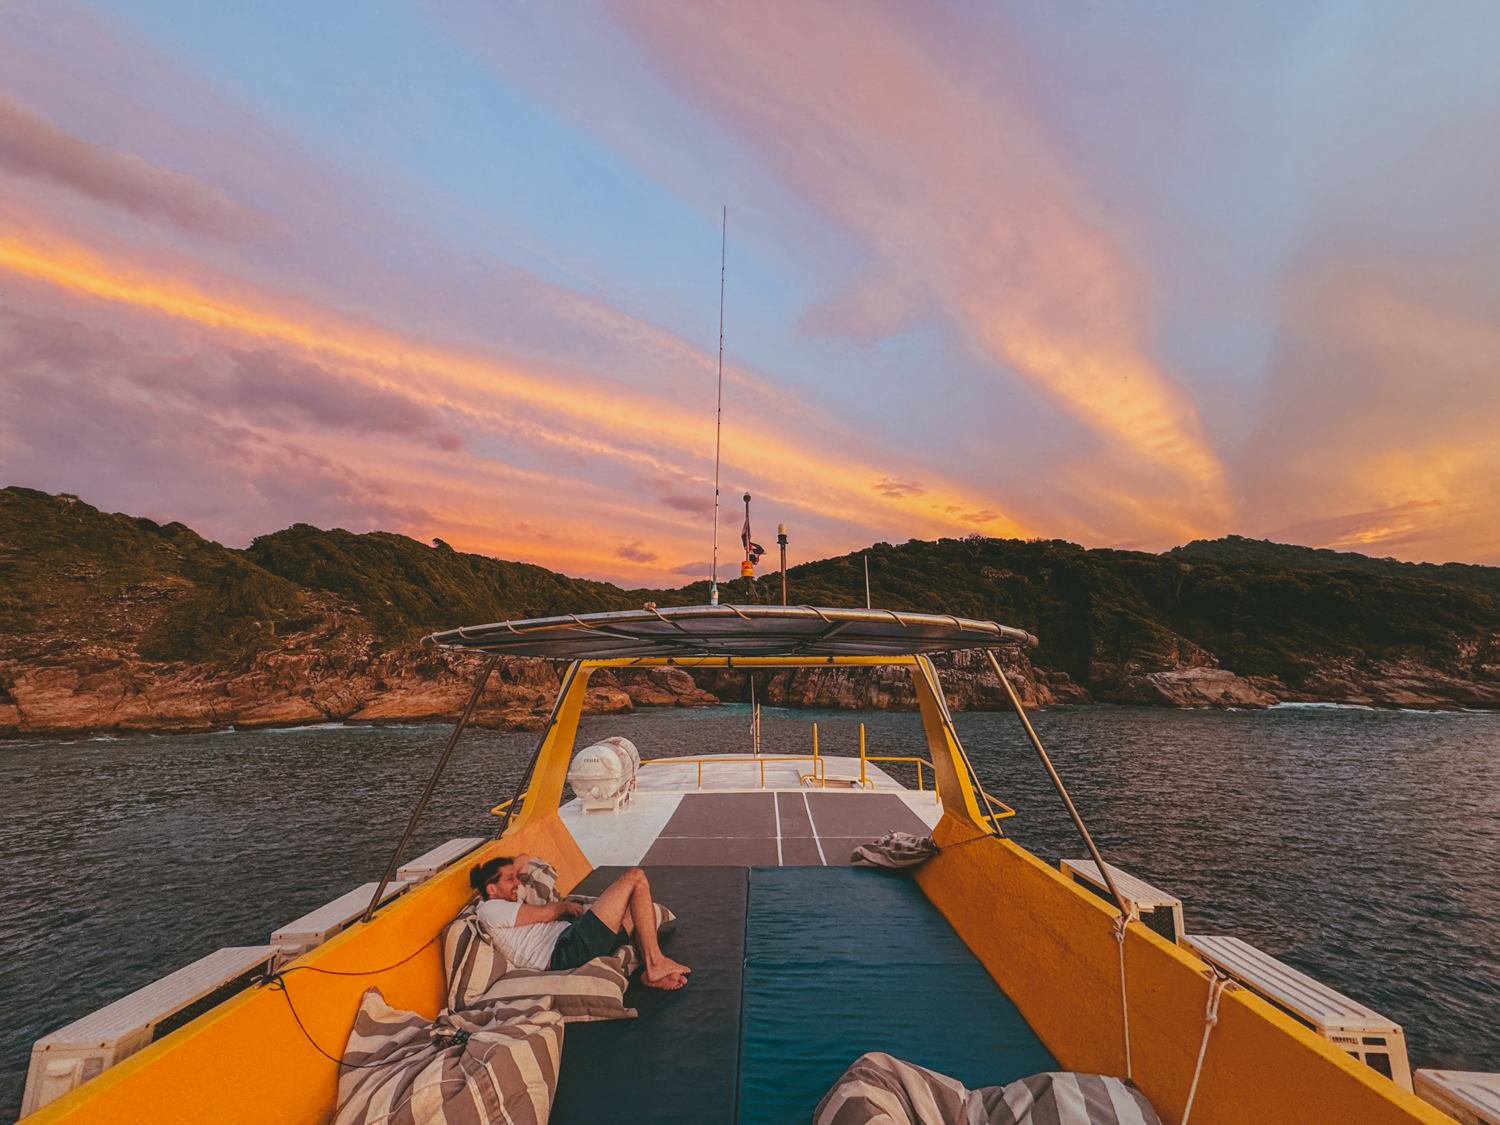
pixel 1127 274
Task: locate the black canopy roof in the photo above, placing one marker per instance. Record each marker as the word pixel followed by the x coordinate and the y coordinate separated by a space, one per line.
pixel 732 630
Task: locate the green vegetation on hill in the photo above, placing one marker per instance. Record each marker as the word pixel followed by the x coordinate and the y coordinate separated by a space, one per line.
pixel 67 564
pixel 1122 607
pixel 62 561
pixel 1236 548
pixel 406 589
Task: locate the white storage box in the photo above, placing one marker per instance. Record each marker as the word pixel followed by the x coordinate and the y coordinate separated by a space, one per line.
pixel 312 930
pixel 1470 1097
pixel 71 1055
pixel 1367 1035
pixel 1160 911
pixel 424 867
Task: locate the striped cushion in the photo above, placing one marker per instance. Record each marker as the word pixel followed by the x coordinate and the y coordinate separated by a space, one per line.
pixel 497 1065
pixel 470 963
pixel 539 885
pixel 595 991
pixel 881 1090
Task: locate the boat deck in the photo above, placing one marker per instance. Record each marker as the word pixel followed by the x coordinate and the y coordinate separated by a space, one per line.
pixel 797 970
pixel 720 813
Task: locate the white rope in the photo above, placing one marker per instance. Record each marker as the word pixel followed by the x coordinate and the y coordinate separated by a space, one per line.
pixel 1120 923
pixel 1215 990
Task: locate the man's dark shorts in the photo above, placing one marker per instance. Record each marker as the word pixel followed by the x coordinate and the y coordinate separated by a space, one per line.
pixel 584 940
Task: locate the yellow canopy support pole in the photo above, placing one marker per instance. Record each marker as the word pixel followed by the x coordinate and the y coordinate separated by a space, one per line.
pixel 949 771
pixel 550 771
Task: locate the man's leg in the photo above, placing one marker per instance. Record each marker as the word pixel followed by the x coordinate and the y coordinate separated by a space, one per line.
pixel 629 897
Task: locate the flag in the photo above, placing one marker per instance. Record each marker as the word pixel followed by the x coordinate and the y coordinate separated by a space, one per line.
pixel 753 551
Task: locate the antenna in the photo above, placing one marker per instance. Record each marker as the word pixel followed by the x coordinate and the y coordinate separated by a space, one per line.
pixel 713 583
pixel 867 581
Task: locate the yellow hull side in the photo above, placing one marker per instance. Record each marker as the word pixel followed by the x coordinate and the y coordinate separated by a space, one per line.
pixel 1052 947
pixel 248 1062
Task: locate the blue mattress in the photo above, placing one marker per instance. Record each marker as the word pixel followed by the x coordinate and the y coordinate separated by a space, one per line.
pixel 844 960
pixel 797 972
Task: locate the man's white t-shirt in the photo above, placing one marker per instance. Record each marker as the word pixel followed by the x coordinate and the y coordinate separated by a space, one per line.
pixel 525 947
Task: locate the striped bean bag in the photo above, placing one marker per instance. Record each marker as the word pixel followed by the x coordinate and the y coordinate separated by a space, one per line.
pixel 879 1089
pixel 470 963
pixel 595 991
pixel 497 1064
pixel 478 975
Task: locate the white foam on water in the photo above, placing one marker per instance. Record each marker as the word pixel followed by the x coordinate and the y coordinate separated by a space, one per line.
pixel 1326 706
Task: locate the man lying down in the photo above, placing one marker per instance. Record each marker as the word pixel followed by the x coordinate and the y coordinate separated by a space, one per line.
pixel 534 937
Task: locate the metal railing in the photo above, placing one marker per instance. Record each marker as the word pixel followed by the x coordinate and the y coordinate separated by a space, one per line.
pixel 715 759
pixel 819 775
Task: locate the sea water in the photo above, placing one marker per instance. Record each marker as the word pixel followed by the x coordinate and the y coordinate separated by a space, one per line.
pixel 1362 847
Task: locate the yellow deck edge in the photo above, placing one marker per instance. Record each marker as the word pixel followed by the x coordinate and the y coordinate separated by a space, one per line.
pixel 248 1063
pixel 1051 946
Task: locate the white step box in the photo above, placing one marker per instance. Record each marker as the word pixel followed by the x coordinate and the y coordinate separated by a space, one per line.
pixel 312 930
pixel 71 1055
pixel 425 866
pixel 1374 1039
pixel 1161 912
pixel 1470 1097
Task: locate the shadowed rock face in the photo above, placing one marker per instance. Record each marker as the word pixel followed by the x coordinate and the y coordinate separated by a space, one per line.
pixel 968 682
pixel 332 671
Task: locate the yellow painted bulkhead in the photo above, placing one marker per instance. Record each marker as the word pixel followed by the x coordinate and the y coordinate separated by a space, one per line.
pixel 1048 944
pixel 1051 946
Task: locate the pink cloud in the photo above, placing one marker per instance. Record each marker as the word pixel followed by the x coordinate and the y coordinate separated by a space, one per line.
pixel 30 145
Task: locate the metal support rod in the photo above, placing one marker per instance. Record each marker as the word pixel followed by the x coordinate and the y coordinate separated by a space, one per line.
pixel 973 773
pixel 416 815
pixel 713 580
pixel 562 691
pixel 1015 701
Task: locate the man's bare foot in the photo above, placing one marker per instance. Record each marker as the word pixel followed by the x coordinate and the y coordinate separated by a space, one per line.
pixel 668 981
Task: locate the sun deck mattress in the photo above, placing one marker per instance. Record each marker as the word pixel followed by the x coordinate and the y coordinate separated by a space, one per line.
pixel 677 1062
pixel 797 971
pixel 842 960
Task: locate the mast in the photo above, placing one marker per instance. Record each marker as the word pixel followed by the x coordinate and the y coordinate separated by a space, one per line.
pixel 713 584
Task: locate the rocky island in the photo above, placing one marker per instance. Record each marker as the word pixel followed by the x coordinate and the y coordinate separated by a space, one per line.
pixel 115 624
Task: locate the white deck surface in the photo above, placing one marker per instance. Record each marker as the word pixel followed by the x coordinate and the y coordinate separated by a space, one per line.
pixel 621 839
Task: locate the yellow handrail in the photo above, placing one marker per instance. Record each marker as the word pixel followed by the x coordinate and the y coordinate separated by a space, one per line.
pixel 762 759
pixel 502 806
pixel 920 763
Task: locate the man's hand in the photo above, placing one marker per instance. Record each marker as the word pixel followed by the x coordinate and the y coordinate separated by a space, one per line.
pixel 566 909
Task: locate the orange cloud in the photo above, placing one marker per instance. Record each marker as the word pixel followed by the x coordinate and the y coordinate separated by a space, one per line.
pixel 564 411
pixel 1382 420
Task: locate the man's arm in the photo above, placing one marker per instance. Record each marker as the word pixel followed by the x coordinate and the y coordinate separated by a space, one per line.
pixel 530 915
